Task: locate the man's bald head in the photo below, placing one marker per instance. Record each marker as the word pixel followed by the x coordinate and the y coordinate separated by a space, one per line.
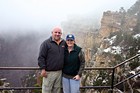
pixel 56 33
pixel 57 29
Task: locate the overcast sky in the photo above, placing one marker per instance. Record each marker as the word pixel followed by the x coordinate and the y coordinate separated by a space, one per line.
pixel 40 14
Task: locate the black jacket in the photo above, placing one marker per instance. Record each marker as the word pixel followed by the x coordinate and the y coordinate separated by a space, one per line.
pixel 74 62
pixel 51 55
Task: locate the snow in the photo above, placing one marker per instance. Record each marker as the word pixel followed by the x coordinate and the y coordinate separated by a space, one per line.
pixel 132 72
pixel 113 50
pixel 137 36
pixel 136 14
pixel 111 40
pixel 131 29
pixel 118 23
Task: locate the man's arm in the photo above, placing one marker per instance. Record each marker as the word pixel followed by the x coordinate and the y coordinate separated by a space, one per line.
pixel 42 56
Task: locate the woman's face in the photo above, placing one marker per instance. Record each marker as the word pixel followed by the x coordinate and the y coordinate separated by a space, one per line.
pixel 70 43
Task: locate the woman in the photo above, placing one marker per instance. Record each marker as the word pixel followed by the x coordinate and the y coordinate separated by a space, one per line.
pixel 74 62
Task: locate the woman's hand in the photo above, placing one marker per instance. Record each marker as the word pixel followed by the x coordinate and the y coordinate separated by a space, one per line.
pixel 77 77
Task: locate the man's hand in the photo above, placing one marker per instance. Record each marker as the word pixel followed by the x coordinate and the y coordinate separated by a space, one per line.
pixel 43 73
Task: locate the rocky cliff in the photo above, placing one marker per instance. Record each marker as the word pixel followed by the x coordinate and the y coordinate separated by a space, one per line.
pixel 116 30
pixel 117 21
pixel 94 41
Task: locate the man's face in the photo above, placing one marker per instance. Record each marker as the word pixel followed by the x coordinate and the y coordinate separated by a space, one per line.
pixel 56 34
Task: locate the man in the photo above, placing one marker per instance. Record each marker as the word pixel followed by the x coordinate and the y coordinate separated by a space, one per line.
pixel 51 60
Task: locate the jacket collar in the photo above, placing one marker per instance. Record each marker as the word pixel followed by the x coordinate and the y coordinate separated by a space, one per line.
pixel 52 39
